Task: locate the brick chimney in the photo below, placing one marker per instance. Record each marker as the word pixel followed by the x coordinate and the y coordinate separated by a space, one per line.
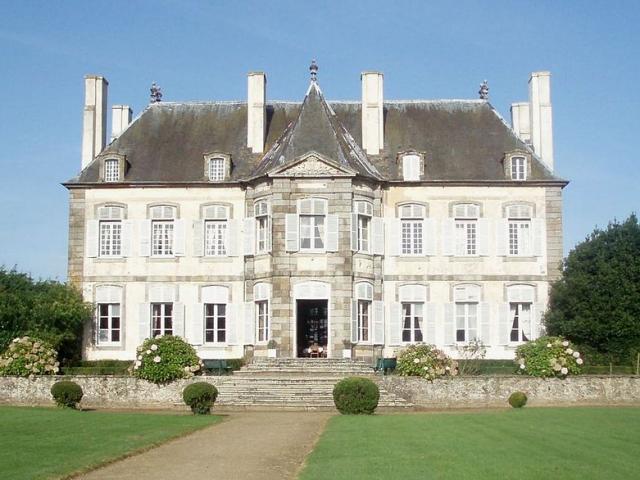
pixel 94 124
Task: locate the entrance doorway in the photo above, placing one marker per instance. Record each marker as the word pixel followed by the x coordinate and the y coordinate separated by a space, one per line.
pixel 312 328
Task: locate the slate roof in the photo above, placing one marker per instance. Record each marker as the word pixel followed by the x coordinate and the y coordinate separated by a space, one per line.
pixel 462 140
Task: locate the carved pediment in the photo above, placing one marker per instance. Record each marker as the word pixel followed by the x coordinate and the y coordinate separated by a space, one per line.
pixel 312 164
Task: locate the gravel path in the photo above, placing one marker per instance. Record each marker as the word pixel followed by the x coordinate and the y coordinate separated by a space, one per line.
pixel 246 445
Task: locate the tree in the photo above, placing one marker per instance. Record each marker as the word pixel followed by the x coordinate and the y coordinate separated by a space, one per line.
pixel 596 303
pixel 47 309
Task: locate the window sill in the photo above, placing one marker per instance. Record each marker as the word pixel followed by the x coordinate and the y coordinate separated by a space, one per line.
pixel 110 347
pixel 219 259
pixel 515 258
pixel 413 258
pixel 469 258
pixel 163 259
pixel 109 259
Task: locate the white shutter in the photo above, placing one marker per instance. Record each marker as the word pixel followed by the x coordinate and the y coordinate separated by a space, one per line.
pixel 292 228
pixel 127 238
pixel 179 237
pixel 378 322
pixel 394 230
pixel 354 232
pixel 233 319
pixel 429 238
pixel 430 320
pixel 504 323
pixel 395 323
pixel 249 236
pixel 198 238
pixel 502 237
pixel 354 321
pixel 538 236
pixel 178 319
pixel 195 326
pixel 448 237
pixel 377 235
pixel 485 323
pixel 91 240
pixel 249 323
pixel 233 237
pixel 269 235
pixel 449 323
pixel 144 230
pixel 332 233
pixel 483 237
pixel 144 322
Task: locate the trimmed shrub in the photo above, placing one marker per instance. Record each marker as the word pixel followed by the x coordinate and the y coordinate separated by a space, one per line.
pixel 422 360
pixel 66 394
pixel 200 396
pixel 356 396
pixel 165 359
pixel 548 357
pixel 27 357
pixel 518 399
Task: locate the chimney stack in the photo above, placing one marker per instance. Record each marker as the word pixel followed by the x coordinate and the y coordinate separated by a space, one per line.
pixel 94 125
pixel 520 121
pixel 540 115
pixel 120 119
pixel 256 111
pixel 372 112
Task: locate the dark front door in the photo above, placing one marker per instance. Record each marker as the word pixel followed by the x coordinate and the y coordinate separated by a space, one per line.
pixel 312 327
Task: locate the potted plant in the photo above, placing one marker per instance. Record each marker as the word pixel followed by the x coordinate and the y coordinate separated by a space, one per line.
pixel 271 349
pixel 346 351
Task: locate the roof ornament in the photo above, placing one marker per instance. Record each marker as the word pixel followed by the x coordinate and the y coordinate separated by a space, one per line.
pixel 314 71
pixel 156 93
pixel 484 91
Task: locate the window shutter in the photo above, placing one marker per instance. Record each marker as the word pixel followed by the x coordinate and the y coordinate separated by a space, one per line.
pixel 502 238
pixel 249 236
pixel 144 322
pixel 178 319
pixel 145 238
pixel 483 237
pixel 292 237
pixel 395 323
pixel 354 232
pixel 448 237
pixel 394 229
pixel 233 318
pixel 91 241
pixel 504 323
pixel 377 235
pixel 538 236
pixel 429 238
pixel 179 237
pixel 449 323
pixel 198 238
pixel 485 323
pixel 233 234
pixel 378 322
pixel 127 238
pixel 269 235
pixel 332 233
pixel 195 326
pixel 354 321
pixel 249 323
pixel 430 321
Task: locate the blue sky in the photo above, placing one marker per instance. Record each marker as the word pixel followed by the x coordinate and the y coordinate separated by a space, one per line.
pixel 203 50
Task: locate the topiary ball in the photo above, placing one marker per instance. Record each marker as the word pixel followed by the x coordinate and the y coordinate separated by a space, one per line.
pixel 67 394
pixel 356 396
pixel 200 396
pixel 518 399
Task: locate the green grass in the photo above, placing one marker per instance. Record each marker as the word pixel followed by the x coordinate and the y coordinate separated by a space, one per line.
pixel 532 443
pixel 50 443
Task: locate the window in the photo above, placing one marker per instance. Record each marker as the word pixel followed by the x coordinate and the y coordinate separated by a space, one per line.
pixel 412 318
pixel 110 231
pixel 215 238
pixel 466 321
pixel 520 241
pixel 162 228
pixel 518 168
pixel 215 322
pixel 216 169
pixel 161 319
pixel 520 315
pixel 466 229
pixel 411 167
pixel 312 224
pixel 364 212
pixel 262 312
pixel 108 323
pixel 112 170
pixel 261 212
pixel 412 221
pixel 363 294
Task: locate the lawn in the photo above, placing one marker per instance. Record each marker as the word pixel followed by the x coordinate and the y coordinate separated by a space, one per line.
pixel 532 443
pixel 49 443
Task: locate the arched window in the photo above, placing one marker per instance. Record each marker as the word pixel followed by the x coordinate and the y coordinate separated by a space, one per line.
pixel 261 298
pixel 216 169
pixel 362 227
pixel 412 300
pixel 216 218
pixel 162 230
pixel 520 299
pixel 110 231
pixel 262 215
pixel 467 312
pixel 108 300
pixel 412 222
pixel 363 293
pixel 520 237
pixel 518 168
pixel 112 170
pixel 466 228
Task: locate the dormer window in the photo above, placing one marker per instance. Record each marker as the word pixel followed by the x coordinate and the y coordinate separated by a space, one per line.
pixel 411 167
pixel 518 168
pixel 217 166
pixel 216 169
pixel 517 165
pixel 111 170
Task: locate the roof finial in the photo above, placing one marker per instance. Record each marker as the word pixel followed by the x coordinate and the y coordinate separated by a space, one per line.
pixel 484 91
pixel 314 70
pixel 156 93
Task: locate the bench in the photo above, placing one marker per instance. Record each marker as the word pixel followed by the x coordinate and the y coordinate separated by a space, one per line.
pixel 219 367
pixel 385 365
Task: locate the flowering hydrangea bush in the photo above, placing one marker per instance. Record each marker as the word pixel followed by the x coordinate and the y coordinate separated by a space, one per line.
pixel 426 361
pixel 548 357
pixel 27 357
pixel 164 359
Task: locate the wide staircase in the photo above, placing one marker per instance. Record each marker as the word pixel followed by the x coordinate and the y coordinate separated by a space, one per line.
pixel 295 384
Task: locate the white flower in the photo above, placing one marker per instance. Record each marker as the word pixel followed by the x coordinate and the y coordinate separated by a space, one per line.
pixel 187 369
pixel 576 354
pixel 557 367
pixel 138 363
pixel 148 352
pixel 416 360
pixel 569 351
pixel 447 367
pixel 565 344
pixel 549 345
pixel 564 371
pixel 522 367
pixel 579 361
pixel 156 359
pixel 154 347
pixel 139 357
